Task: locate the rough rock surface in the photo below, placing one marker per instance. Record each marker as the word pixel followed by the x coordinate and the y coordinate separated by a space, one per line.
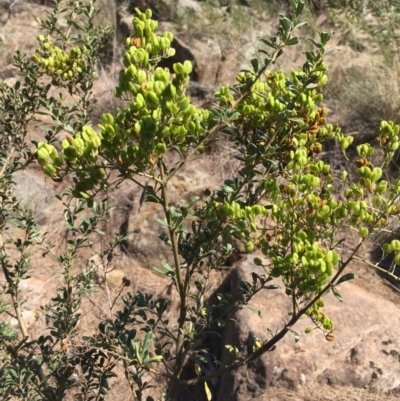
pixel 365 353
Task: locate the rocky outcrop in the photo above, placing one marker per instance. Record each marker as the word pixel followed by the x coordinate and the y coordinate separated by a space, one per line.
pixel 364 354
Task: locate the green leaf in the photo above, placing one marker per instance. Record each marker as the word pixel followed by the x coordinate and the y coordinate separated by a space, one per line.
pixel 152 198
pixel 268 42
pixel 150 195
pixel 331 51
pixel 162 222
pixel 346 277
pixel 285 23
pixel 272 287
pixel 255 310
pixel 295 335
pixel 293 5
pixel 316 44
pixel 300 6
pixel 167 266
pixel 147 343
pixel 325 37
pixel 158 270
pixel 135 349
pixel 227 189
pixel 164 238
pixel 255 64
pixel 336 294
pixel 177 165
pixel 299 25
pixel 15 223
pixel 297 120
pixel 292 41
pixel 174 212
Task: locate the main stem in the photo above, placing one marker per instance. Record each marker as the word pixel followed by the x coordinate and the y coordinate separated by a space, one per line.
pixel 182 290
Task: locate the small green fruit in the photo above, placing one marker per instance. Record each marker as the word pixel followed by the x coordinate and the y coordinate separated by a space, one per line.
pixel 249 246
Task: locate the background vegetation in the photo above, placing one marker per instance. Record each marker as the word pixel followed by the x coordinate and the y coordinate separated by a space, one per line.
pixel 358 104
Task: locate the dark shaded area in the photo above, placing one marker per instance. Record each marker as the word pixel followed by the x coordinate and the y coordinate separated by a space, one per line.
pixel 182 53
pixel 386 261
pixel 206 356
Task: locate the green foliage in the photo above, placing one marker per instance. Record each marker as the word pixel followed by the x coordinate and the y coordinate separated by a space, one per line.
pixel 284 204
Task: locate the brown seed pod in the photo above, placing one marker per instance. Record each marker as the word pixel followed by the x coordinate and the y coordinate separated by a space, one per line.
pixel 330 337
pixel 360 162
pixel 136 42
pixel 69 139
pixel 371 187
pixel 151 160
pixel 316 149
pixel 126 282
pixel 384 140
pixel 64 344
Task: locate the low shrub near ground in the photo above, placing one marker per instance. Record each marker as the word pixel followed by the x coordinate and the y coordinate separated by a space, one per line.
pixel 284 204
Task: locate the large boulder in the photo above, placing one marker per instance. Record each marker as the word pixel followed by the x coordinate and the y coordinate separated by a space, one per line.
pixel 364 354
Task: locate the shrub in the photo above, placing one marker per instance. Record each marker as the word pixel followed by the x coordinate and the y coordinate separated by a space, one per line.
pixel 285 205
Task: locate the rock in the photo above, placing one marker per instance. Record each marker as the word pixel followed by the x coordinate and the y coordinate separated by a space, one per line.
pixel 365 352
pixel 35 194
pixel 188 5
pixel 182 53
pixel 136 219
pixel 207 53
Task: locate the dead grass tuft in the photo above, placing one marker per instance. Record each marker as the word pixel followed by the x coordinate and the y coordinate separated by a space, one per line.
pixel 323 392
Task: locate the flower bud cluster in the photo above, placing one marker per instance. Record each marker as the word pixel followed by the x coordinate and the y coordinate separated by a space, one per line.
pixel 159 114
pixel 265 105
pixel 57 63
pixel 312 263
pixel 242 220
pixel 48 157
pixel 320 318
pixel 79 152
pixel 82 150
pixel 305 270
pixel 388 138
pixel 345 141
pixel 393 247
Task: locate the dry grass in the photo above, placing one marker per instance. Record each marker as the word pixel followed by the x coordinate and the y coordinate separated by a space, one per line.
pixel 323 392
